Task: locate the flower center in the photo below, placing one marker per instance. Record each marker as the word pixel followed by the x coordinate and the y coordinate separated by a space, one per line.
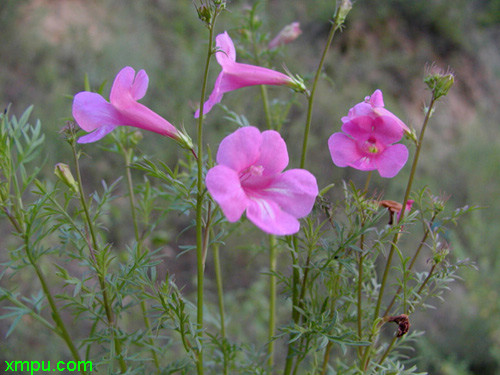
pixel 253 170
pixel 370 146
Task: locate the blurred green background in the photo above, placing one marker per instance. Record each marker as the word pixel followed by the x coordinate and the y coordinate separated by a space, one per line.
pixel 47 46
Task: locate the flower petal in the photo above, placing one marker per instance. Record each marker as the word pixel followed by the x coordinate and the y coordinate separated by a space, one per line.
pixel 97 134
pixel 269 217
pixel 359 127
pixel 343 150
pixel 224 186
pixel 295 191
pixel 386 130
pixel 91 111
pixel 377 99
pixel 238 75
pixel 273 153
pixel 240 149
pixel 140 85
pixel 227 52
pixel 122 86
pixel 390 162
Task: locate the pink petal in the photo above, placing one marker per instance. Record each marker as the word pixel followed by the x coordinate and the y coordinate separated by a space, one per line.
pixel 97 134
pixel 227 52
pixel 122 85
pixel 269 217
pixel 384 112
pixel 224 186
pixel 345 153
pixel 359 127
pixel 240 149
pixel 387 130
pixel 343 149
pixel 140 116
pixel 140 85
pixel 377 99
pixel 384 129
pixel 273 153
pixel 295 191
pixel 390 162
pixel 360 109
pixel 239 75
pixel 92 111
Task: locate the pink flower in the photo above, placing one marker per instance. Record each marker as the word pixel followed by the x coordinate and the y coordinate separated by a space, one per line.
pixel 94 114
pixel 368 144
pixel 237 75
pixel 249 178
pixel 373 106
pixel 287 35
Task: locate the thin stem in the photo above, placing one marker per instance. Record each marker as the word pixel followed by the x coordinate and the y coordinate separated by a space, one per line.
pixel 412 263
pixel 63 332
pixel 295 301
pixel 407 195
pixel 333 29
pixel 367 182
pixel 127 154
pixel 220 300
pixel 361 258
pixel 199 203
pixel 101 278
pixel 394 339
pixel 326 357
pixel 272 299
pixel 397 235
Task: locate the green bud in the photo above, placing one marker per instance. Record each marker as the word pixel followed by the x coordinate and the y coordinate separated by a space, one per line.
pixel 439 83
pixel 136 137
pixel 63 172
pixel 204 14
pixel 343 9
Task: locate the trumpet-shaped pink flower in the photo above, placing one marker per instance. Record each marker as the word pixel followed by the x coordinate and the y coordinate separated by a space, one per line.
pixel 249 177
pixel 96 115
pixel 368 144
pixel 287 35
pixel 237 75
pixel 373 106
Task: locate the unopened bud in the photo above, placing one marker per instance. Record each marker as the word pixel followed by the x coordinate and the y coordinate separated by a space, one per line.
pixel 63 172
pixel 343 9
pixel 439 82
pixel 136 137
pixel 287 35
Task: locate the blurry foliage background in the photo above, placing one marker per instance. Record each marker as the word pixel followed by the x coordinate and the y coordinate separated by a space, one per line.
pixel 47 46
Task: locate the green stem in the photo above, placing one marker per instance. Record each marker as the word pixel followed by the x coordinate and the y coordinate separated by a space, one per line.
pixel 127 154
pixel 394 339
pixel 407 195
pixel 412 263
pixel 93 246
pixel 199 204
pixel 397 235
pixel 272 299
pixel 333 29
pixel 220 300
pixel 63 332
pixel 295 300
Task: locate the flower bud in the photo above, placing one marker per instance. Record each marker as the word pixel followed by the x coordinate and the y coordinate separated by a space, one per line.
pixel 287 35
pixel 343 9
pixel 439 82
pixel 63 172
